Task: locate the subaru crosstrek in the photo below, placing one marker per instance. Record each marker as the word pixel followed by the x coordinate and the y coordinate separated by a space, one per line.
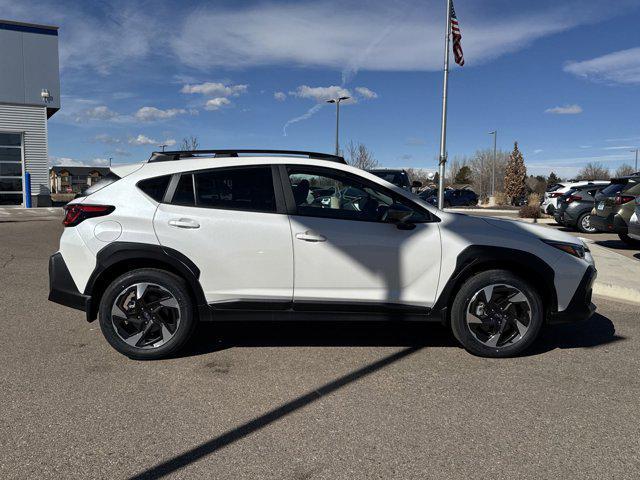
pixel 185 237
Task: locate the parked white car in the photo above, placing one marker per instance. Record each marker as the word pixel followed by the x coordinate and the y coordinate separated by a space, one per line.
pixel 550 200
pixel 156 247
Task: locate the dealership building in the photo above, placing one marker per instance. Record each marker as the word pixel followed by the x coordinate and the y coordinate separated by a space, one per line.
pixel 29 96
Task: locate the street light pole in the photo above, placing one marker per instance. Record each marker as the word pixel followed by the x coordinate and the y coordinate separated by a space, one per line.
pixel 493 166
pixel 337 102
pixel 636 164
pixel 443 127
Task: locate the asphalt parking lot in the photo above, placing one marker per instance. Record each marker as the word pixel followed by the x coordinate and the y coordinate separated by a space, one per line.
pixel 303 401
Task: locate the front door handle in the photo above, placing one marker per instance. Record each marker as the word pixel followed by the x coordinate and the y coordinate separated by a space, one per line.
pixel 310 236
pixel 184 223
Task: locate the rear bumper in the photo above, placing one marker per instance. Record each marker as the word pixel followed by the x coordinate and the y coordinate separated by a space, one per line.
pixel 580 308
pixel 603 224
pixel 62 288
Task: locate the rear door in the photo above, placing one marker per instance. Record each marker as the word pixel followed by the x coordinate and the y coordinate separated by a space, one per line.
pixel 347 253
pixel 231 224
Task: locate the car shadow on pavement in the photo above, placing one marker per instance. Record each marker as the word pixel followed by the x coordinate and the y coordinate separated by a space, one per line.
pixel 594 332
pixel 616 244
pixel 215 336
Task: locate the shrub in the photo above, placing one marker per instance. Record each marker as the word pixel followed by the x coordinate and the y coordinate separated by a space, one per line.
pixel 500 198
pixel 533 200
pixel 529 211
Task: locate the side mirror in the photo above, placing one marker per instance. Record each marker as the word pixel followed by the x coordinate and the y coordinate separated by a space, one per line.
pixel 399 214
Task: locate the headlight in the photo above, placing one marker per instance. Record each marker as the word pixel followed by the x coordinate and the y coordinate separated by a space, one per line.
pixel 570 248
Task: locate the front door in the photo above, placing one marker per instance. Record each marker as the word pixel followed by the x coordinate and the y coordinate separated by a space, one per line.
pixel 347 251
pixel 227 222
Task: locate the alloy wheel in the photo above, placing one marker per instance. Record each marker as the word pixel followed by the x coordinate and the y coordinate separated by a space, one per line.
pixel 586 224
pixel 498 315
pixel 145 315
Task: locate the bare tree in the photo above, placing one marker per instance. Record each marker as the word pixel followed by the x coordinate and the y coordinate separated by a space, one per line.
pixel 594 171
pixel 481 170
pixel 624 170
pixel 190 143
pixel 359 156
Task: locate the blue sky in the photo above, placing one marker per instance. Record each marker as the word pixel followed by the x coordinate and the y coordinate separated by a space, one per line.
pixel 562 78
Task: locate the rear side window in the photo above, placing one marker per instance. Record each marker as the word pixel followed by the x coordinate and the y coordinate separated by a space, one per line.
pixel 108 179
pixel 155 187
pixel 234 189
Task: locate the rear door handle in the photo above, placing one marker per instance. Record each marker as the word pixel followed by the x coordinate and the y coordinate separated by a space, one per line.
pixel 184 223
pixel 309 236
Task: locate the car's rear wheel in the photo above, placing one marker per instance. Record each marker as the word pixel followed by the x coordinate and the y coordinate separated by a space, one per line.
pixel 584 225
pixel 147 314
pixel 632 242
pixel 496 314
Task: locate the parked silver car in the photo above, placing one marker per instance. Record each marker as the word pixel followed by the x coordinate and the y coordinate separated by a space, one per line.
pixel 634 223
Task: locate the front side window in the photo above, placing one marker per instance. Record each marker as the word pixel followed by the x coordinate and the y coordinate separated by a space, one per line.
pixel 249 188
pixel 325 193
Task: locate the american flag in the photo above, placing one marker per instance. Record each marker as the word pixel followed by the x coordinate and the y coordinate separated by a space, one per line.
pixel 457 36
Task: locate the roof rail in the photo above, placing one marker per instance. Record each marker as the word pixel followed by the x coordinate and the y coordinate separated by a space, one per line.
pixel 181 154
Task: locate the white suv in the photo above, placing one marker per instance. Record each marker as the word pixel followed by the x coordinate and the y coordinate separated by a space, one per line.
pixel 214 235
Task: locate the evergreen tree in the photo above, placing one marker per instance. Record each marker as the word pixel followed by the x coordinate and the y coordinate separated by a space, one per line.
pixel 463 176
pixel 553 179
pixel 515 175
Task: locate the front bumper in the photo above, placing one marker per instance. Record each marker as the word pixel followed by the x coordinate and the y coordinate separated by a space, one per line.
pixel 580 307
pixel 62 288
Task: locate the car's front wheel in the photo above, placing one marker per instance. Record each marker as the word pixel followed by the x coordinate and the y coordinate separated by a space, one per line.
pixel 496 314
pixel 147 314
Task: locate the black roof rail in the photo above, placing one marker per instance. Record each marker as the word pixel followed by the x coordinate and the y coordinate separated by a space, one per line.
pixel 181 154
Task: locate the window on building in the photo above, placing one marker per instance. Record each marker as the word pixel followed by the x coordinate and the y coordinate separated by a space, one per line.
pixel 11 169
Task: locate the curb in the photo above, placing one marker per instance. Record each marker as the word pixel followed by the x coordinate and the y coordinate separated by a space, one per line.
pixel 615 292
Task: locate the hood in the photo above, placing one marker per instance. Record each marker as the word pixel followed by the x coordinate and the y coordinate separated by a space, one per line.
pixel 531 230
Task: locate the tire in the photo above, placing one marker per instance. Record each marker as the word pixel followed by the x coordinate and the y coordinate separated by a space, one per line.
pixel 168 320
pixel 583 224
pixel 514 338
pixel 632 242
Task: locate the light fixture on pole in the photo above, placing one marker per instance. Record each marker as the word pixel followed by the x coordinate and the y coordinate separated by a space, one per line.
pixel 337 102
pixel 163 146
pixel 493 165
pixel 636 164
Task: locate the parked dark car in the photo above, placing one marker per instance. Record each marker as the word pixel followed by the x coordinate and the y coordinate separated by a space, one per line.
pixel 463 197
pixel 613 206
pixel 574 208
pixel 399 177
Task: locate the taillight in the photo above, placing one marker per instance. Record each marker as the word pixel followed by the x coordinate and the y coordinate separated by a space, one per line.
pixel 573 198
pixel 555 194
pixel 76 213
pixel 621 199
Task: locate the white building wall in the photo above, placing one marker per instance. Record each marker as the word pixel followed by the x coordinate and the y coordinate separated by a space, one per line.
pixel 32 122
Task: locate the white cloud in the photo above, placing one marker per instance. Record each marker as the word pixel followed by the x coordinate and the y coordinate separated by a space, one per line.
pixel 280 96
pixel 622 67
pixel 101 112
pixel 169 142
pixel 72 162
pixel 537 151
pixel 364 92
pixel 321 94
pixel 216 103
pixel 388 36
pixel 150 114
pixel 106 139
pixel 565 110
pixel 621 147
pixel 142 140
pixel 215 89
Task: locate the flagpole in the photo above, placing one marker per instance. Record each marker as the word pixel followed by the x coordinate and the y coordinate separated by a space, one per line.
pixel 443 130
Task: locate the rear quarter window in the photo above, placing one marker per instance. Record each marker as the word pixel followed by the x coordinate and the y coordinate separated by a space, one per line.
pixel 155 187
pixel 612 189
